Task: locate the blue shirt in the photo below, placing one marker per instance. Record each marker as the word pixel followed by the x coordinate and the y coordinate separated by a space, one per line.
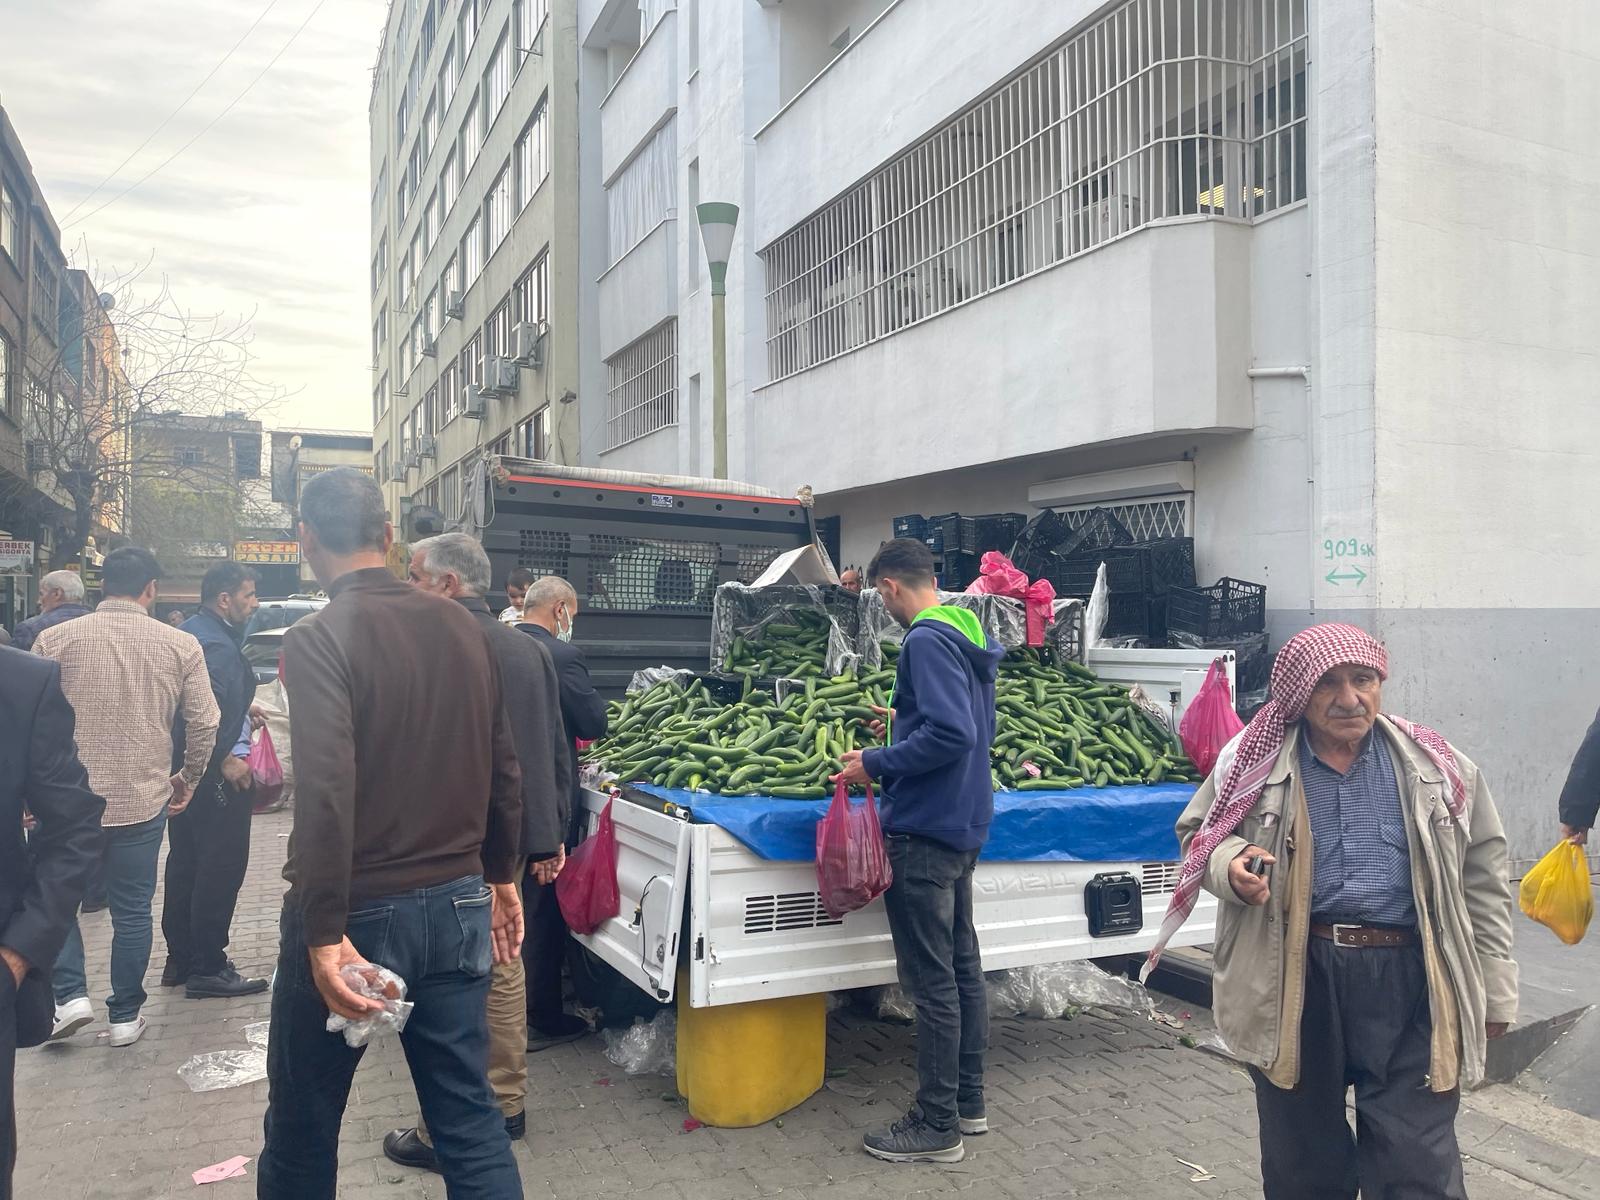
pixel 1362 867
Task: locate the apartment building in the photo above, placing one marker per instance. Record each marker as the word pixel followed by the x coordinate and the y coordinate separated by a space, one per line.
pixel 474 271
pixel 1309 280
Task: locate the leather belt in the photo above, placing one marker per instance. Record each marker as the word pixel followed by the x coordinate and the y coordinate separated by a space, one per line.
pixel 1362 936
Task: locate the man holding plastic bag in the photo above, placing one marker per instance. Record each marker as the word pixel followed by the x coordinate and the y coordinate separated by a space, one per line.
pixel 938 802
pixel 406 849
pixel 1364 933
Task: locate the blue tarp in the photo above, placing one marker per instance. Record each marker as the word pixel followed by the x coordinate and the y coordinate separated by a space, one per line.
pixel 1125 824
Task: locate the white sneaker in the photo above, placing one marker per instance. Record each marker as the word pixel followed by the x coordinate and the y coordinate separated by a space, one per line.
pixel 71 1017
pixel 129 1032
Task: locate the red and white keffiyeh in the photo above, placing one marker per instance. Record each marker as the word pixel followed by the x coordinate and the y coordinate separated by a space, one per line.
pixel 1302 662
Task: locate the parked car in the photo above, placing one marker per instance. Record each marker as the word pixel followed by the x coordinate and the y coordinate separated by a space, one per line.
pixel 263 650
pixel 280 614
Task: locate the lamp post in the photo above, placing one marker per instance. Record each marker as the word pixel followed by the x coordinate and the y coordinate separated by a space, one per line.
pixel 717 223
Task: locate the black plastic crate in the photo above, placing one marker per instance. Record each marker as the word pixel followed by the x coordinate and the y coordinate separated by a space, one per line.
pixel 1127 572
pixel 1099 530
pixel 998 531
pixel 1138 615
pixel 957 570
pixel 1229 608
pixel 912 525
pixel 1171 564
pixel 951 534
pixel 1034 549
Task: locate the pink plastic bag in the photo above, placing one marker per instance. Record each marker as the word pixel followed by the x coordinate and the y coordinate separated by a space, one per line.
pixel 1210 724
pixel 267 772
pixel 999 576
pixel 852 864
pixel 586 889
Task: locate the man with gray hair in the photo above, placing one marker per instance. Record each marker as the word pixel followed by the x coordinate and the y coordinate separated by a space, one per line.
pixel 548 612
pixel 455 566
pixel 61 598
pixel 405 854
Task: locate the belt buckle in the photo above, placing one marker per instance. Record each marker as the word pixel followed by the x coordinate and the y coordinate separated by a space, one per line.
pixel 1338 933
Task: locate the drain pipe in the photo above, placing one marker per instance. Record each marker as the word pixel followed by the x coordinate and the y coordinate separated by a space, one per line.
pixel 1303 371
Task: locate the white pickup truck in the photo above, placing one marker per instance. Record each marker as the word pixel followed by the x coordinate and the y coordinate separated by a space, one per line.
pixel 755 929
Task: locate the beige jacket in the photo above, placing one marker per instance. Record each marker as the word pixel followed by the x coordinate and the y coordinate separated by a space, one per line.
pixel 1463 898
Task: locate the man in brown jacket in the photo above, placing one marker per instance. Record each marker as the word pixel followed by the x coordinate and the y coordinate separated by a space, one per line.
pixel 408 798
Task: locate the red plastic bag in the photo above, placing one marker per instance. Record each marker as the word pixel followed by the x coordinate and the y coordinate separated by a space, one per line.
pixel 999 576
pixel 586 889
pixel 852 864
pixel 267 772
pixel 1210 724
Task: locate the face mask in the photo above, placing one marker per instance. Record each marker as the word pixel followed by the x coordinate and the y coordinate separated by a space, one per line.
pixel 564 632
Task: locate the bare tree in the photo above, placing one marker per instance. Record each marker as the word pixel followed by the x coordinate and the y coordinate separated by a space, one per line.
pixel 113 374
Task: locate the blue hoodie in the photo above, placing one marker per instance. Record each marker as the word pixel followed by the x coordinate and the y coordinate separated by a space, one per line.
pixel 935 770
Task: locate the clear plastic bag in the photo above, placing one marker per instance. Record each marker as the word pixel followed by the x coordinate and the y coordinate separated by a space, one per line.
pixel 1002 618
pixel 375 983
pixel 219 1069
pixel 1094 617
pixel 646 1048
pixel 647 677
pixel 1050 990
pixel 741 611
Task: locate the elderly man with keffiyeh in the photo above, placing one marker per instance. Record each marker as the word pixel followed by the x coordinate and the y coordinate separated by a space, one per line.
pixel 1364 935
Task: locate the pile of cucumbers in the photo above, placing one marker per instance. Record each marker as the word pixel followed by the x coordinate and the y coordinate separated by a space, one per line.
pixel 1056 727
pixel 795 647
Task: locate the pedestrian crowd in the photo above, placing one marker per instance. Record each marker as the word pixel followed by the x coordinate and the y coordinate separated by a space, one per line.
pixel 1363 938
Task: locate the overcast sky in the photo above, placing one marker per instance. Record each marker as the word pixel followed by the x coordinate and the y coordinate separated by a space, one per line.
pixel 266 214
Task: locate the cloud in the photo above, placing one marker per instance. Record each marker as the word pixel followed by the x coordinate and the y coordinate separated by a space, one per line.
pixel 267 213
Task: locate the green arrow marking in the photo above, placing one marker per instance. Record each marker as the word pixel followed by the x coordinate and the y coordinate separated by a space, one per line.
pixel 1336 577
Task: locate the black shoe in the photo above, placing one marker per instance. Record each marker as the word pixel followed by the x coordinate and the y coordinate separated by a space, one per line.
pixel 912 1140
pixel 175 974
pixel 403 1146
pixel 568 1028
pixel 225 984
pixel 517 1126
pixel 97 904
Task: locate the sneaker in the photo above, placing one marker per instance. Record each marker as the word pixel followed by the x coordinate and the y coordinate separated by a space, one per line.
pixel 517 1126
pixel 403 1146
pixel 128 1032
pixel 224 984
pixel 912 1140
pixel 974 1123
pixel 71 1017
pixel 570 1028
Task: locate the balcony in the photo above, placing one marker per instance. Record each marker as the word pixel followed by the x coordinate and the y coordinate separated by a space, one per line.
pixel 1148 336
pixel 642 98
pixel 640 290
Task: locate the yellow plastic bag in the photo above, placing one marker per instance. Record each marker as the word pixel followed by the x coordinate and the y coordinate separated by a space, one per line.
pixel 1557 893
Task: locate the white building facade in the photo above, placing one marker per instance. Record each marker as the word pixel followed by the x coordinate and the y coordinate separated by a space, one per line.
pixel 1311 280
pixel 474 265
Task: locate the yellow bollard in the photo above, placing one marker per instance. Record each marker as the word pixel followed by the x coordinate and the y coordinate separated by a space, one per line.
pixel 744 1064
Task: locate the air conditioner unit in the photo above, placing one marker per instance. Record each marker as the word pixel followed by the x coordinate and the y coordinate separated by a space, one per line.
pixel 430 349
pixel 397 473
pixel 414 461
pixel 452 305
pixel 527 337
pixel 500 376
pixel 427 446
pixel 472 406
pixel 36 455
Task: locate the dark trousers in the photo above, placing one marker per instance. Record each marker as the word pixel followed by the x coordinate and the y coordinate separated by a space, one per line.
pixel 437 940
pixel 8 1063
pixel 544 952
pixel 1367 1026
pixel 936 946
pixel 208 854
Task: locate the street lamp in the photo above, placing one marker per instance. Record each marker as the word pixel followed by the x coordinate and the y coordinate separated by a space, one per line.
pixel 717 223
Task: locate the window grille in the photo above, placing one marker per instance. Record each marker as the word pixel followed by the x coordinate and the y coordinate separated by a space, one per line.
pixel 643 392
pixel 641 196
pixel 1162 109
pixel 1147 520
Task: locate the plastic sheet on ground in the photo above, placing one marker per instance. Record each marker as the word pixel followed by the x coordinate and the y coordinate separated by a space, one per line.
pixel 646 1048
pixel 220 1069
pixel 739 610
pixel 1051 990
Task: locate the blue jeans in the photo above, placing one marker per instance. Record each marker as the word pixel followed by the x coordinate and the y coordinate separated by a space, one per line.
pixel 936 948
pixel 131 852
pixel 437 940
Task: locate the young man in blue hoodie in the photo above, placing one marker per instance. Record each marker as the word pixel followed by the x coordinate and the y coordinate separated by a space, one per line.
pixel 938 801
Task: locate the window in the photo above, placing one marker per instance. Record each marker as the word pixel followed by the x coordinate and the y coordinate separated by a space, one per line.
pixel 449 183
pixel 533 155
pixel 430 223
pixel 380 332
pixel 379 400
pixel 380 262
pixel 472 362
pixel 467 25
pixel 449 72
pixel 8 393
pixel 44 292
pixel 497 78
pixel 650 14
pixel 403 279
pixel 11 223
pixel 407 437
pixel 642 395
pixel 694 36
pixel 428 412
pixel 380 193
pixel 696 252
pixel 430 129
pixel 530 298
pixel 449 393
pixel 189 456
pixel 497 208
pixel 1157 517
pixel 449 280
pixel 641 196
pixel 497 331
pixel 447 486
pixel 247 457
pixel 471 255
pixel 429 28
pixel 426 319
pixel 527 17
pixel 400 202
pixel 1154 111
pixel 415 260
pixel 533 436
pixel 471 136
pixel 501 446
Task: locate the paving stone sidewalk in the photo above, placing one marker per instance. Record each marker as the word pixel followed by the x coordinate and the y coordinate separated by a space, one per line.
pixel 1093 1106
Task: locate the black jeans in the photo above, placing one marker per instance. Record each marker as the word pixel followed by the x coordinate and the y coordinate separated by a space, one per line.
pixel 1366 1025
pixel 8 1063
pixel 544 952
pixel 437 940
pixel 936 945
pixel 208 854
